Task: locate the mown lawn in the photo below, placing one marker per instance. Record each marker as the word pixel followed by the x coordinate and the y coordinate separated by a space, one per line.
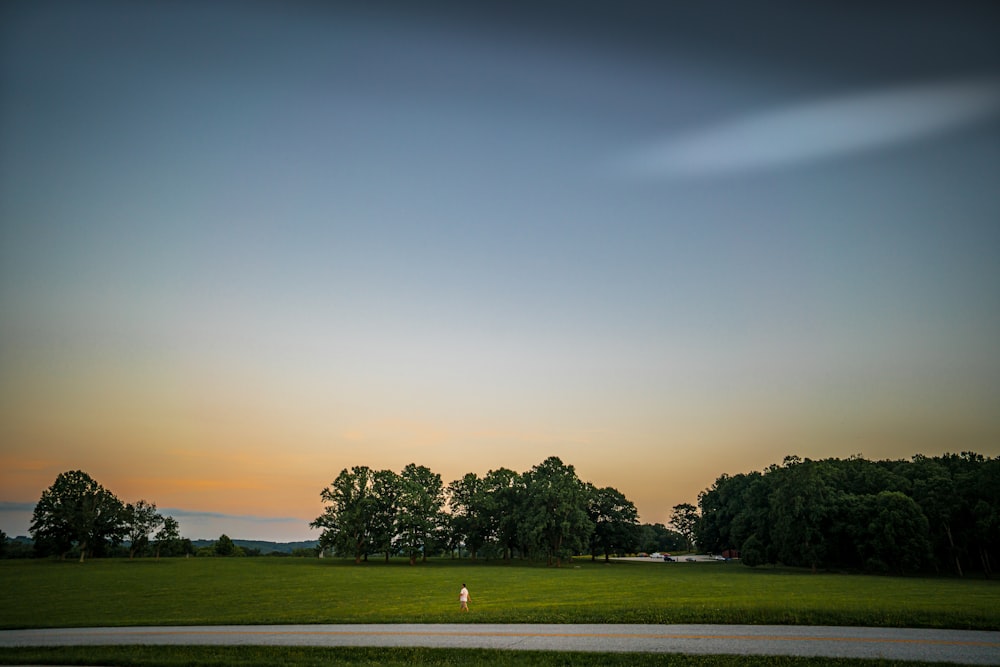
pixel 292 590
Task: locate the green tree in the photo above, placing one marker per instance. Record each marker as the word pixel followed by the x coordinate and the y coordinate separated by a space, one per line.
pixel 895 538
pixel 469 521
pixel 168 534
pixel 834 512
pixel 555 510
pixel 800 509
pixel 385 492
pixel 734 508
pixel 966 470
pixel 713 531
pixel 685 519
pixel 226 547
pixel 141 519
pixel 615 520
pixel 76 511
pixel 986 513
pixel 421 501
pixel 934 491
pixel 503 497
pixel 657 537
pixel 347 519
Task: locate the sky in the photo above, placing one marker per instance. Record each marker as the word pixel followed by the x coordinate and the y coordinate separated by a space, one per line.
pixel 244 246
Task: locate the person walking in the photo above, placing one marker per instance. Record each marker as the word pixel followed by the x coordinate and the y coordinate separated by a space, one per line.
pixel 463 599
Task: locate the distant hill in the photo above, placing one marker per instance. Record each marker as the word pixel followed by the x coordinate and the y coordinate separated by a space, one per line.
pixel 263 546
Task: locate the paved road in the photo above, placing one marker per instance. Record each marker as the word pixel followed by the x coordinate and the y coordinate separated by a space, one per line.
pixel 958 646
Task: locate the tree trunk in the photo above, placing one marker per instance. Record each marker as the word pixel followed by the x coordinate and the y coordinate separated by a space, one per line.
pixel 951 544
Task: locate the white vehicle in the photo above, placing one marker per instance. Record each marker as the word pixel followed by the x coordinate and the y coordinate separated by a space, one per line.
pixel 656 555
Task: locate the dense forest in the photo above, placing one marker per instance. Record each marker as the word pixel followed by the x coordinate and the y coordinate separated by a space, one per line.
pixel 938 514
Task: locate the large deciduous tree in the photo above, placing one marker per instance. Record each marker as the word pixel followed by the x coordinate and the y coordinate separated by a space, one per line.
pixel 685 519
pixel 168 534
pixel 894 538
pixel 76 511
pixel 801 507
pixel 386 489
pixel 421 501
pixel 141 520
pixel 347 520
pixel 466 500
pixel 503 496
pixel 555 510
pixel 734 509
pixel 615 519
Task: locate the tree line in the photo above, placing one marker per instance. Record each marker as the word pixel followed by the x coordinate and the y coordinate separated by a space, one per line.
pixel 78 515
pixel 929 513
pixel 546 512
pixel 938 514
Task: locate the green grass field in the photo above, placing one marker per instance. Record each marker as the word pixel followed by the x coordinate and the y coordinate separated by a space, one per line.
pixel 291 590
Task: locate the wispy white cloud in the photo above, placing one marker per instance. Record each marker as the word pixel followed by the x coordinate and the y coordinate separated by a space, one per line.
pixel 817 130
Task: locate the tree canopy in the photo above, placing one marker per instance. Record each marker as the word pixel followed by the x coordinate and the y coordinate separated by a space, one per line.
pixel 78 513
pixel 898 516
pixel 546 512
pixel 141 520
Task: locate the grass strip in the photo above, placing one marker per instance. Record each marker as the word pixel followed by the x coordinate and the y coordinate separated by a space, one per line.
pixel 267 656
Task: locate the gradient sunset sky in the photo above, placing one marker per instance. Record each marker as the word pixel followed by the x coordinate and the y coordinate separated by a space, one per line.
pixel 246 245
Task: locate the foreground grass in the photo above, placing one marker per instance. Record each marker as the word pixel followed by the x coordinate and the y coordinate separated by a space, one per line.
pixel 215 591
pixel 263 656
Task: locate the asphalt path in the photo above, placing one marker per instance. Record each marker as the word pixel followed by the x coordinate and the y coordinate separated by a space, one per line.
pixel 956 646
